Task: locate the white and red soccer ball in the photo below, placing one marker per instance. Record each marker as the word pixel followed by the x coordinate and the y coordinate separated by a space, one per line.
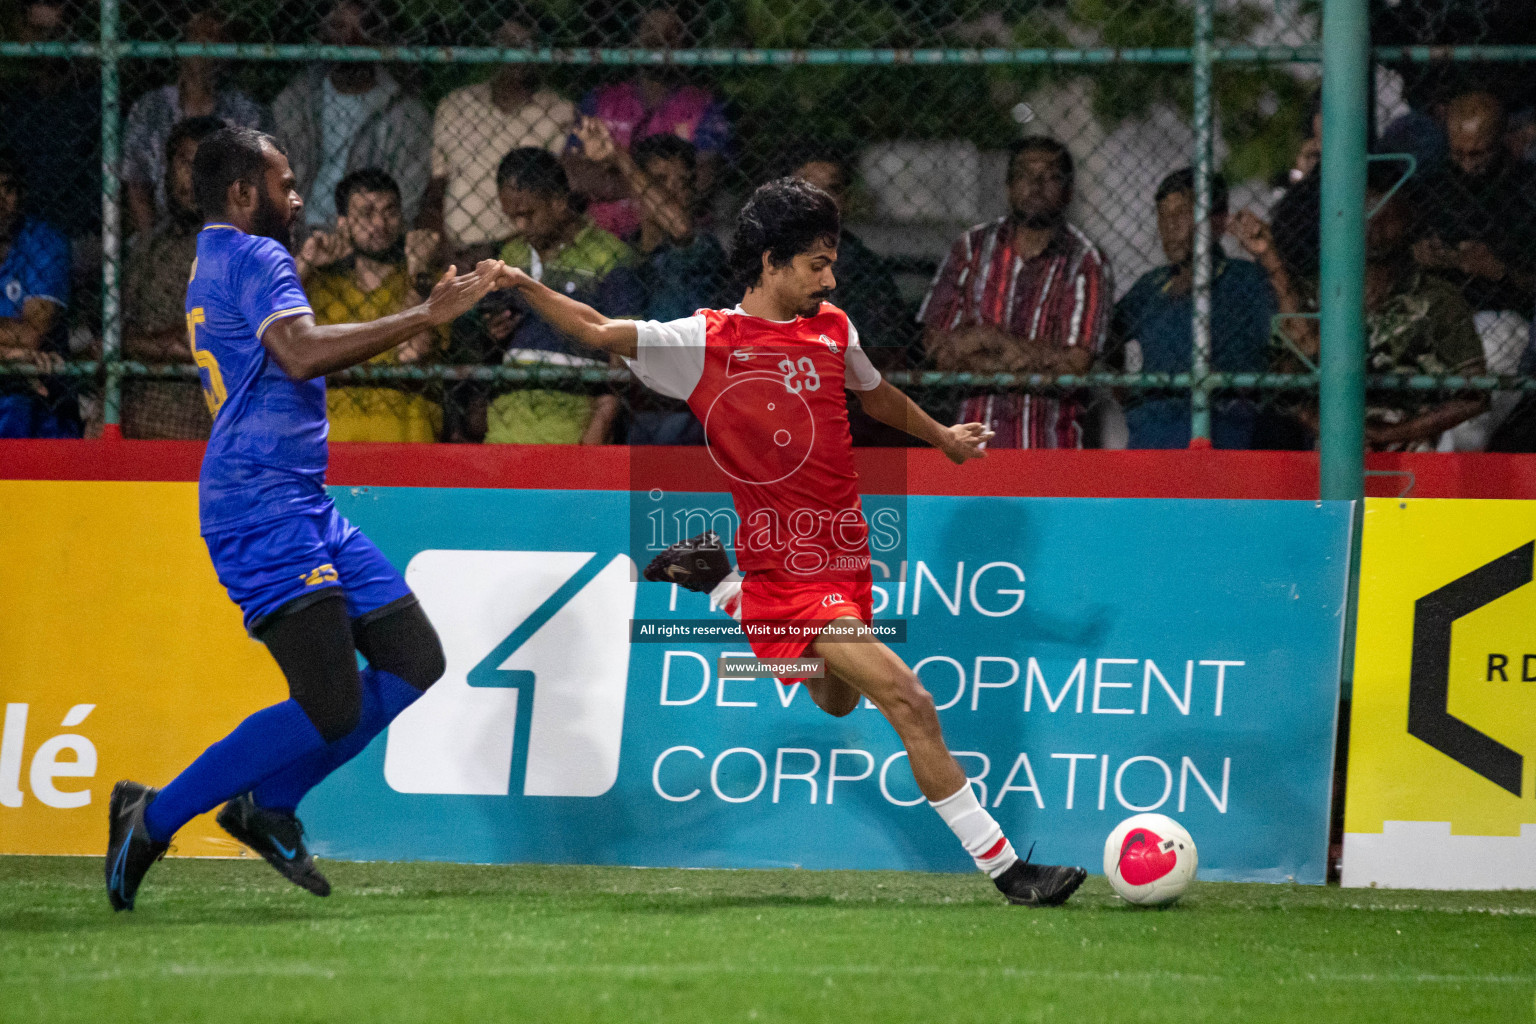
pixel 1150 860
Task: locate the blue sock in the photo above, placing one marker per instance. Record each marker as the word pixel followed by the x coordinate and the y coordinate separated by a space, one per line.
pixel 384 697
pixel 264 743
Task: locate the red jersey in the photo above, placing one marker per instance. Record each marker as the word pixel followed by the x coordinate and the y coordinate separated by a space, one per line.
pixel 770 396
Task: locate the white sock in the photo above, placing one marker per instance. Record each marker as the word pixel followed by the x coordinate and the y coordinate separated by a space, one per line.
pixel 727 595
pixel 977 831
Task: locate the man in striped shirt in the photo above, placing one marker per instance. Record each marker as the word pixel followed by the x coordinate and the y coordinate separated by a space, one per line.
pixel 1027 293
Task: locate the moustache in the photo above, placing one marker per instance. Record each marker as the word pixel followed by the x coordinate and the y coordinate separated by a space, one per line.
pixel 825 293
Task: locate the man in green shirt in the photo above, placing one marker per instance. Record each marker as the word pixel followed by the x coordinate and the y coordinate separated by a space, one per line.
pixel 554 242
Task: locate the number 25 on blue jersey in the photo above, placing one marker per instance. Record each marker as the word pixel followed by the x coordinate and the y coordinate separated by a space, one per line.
pixel 207 366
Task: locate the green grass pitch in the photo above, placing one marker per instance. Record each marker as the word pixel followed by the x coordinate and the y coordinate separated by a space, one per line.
pixel 228 941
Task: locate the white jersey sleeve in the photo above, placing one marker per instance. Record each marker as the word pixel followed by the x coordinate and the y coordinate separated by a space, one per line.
pixel 859 374
pixel 669 357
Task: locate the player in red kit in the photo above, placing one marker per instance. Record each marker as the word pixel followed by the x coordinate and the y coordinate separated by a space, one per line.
pixel 767 380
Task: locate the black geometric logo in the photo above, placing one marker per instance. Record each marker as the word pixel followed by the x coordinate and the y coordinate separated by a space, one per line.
pixel 1429 678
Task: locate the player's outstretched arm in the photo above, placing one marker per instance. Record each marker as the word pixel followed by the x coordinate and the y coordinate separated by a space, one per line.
pixel 305 349
pixel 891 406
pixel 573 318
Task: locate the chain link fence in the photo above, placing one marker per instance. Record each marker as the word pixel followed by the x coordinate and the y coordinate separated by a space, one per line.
pixel 1020 181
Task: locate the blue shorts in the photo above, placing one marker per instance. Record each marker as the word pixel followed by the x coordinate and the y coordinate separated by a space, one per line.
pixel 303 557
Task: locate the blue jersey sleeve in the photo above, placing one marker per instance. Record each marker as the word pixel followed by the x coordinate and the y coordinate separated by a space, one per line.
pixel 45 272
pixel 267 287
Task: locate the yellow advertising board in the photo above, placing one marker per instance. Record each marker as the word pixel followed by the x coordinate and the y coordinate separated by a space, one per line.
pixel 1442 748
pixel 112 626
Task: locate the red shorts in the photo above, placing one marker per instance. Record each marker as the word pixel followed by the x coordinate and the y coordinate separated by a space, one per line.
pixel 781 613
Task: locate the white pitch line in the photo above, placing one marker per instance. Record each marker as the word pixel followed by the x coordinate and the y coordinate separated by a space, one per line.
pixel 848 970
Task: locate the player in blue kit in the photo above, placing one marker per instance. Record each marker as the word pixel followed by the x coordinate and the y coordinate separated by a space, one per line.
pixel 311 586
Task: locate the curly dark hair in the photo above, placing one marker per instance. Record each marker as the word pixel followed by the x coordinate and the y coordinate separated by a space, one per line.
pixel 784 218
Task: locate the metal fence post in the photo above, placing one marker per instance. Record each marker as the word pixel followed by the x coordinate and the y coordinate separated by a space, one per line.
pixel 1200 356
pixel 1341 286
pixel 111 224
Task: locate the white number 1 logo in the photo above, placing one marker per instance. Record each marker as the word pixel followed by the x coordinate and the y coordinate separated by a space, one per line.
pixel 538 665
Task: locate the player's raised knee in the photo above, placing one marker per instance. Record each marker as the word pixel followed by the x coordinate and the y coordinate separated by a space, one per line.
pixel 429 664
pixel 404 644
pixel 836 698
pixel 841 706
pixel 421 664
pixel 335 712
pixel 436 664
pixel 909 699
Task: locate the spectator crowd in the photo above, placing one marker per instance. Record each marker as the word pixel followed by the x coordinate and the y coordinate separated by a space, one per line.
pixel 612 198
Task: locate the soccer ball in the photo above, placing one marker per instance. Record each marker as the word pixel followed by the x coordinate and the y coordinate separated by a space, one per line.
pixel 1150 860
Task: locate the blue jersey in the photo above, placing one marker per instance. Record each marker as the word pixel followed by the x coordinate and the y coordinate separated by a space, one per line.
pixel 267 453
pixel 36 266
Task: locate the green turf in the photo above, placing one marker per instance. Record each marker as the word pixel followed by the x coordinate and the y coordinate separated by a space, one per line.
pixel 229 941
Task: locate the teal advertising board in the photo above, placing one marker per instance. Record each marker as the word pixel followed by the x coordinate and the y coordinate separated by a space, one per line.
pixel 1090 659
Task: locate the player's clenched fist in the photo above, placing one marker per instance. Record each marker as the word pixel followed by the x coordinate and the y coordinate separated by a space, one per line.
pixel 967 441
